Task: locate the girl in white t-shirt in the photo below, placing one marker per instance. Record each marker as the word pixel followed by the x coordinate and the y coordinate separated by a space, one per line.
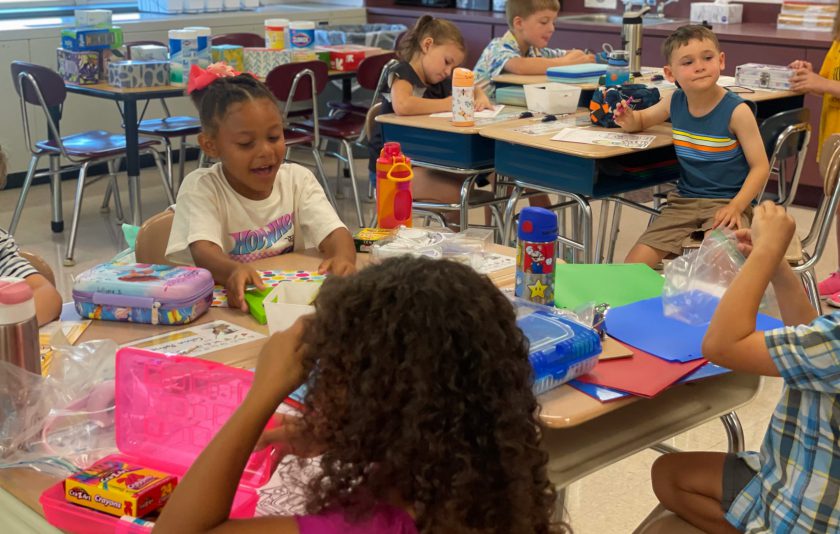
pixel 251 204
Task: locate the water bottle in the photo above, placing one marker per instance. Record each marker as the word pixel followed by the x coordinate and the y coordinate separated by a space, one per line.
pixel 536 255
pixel 18 325
pixel 393 187
pixel 463 97
pixel 618 68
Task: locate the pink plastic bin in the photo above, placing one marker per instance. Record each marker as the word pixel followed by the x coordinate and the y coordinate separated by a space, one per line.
pixel 167 410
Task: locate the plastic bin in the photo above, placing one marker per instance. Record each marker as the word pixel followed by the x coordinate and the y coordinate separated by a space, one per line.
pixel 378 35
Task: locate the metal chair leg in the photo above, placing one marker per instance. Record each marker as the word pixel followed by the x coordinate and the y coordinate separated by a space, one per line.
pixel 734 432
pixel 614 229
pixel 24 192
pixel 319 164
pixel 353 185
pixel 166 187
pixel 600 242
pixel 182 162
pixel 77 211
pixel 106 198
pixel 114 187
pixel 510 208
pixel 168 151
pixel 809 280
pixel 57 223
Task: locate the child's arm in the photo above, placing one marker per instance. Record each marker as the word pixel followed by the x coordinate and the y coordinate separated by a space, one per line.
pixel 232 274
pixel 538 65
pixel 405 103
pixel 732 340
pixel 745 128
pixel 805 80
pixel 202 500
pixel 631 120
pixel 339 253
pixel 47 299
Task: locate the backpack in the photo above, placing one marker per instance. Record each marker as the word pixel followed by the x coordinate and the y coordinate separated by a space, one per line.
pixel 604 100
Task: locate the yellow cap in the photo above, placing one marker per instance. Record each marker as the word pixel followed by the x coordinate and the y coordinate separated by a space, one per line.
pixel 463 77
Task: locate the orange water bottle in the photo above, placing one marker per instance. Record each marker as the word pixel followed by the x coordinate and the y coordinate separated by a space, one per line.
pixel 463 97
pixel 393 187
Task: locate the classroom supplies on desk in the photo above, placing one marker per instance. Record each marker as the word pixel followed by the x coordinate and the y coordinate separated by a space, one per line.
pixel 143 293
pixel 202 44
pixel 463 97
pixel 183 53
pixel 93 18
pixel 706 371
pixel 618 68
pixel 119 488
pixel 560 348
pixel 270 278
pixel 614 283
pixel 80 39
pixel 254 299
pixel 149 53
pixel 763 76
pixel 135 74
pixel 233 55
pixel 275 33
pixel 346 58
pixel 552 97
pixel 393 187
pixel 606 99
pixel 579 74
pixel 536 255
pixel 468 247
pixel 511 95
pixel 643 326
pixel 490 113
pixel 18 325
pixel 594 137
pixel 197 340
pixel 642 374
pixel 167 409
pixel 55 333
pixel 82 68
pixel 695 282
pixel 301 34
pixel 718 12
pixel 366 237
pixel 287 302
pixel 599 393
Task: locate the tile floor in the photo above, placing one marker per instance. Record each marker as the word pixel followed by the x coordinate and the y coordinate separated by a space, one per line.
pixel 613 500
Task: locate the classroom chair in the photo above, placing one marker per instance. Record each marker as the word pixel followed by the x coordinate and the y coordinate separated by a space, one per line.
pixel 284 82
pixel 244 39
pixel 153 236
pixel 369 76
pixel 40 86
pixel 40 265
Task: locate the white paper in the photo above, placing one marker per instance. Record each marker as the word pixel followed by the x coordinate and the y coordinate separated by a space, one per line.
pixel 484 114
pixel 593 137
pixel 493 262
pixel 198 339
pixel 561 123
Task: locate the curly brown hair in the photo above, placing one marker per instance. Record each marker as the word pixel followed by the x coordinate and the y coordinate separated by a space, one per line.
pixel 420 389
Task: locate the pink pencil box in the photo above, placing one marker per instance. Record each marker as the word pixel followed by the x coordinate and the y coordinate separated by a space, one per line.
pixel 167 409
pixel 143 293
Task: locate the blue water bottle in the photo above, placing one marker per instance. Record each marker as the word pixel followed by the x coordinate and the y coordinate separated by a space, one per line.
pixel 536 254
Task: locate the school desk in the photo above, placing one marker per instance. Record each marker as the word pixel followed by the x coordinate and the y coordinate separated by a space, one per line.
pixel 582 435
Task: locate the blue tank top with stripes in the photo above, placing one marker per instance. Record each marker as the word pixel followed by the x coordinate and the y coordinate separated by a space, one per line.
pixel 712 163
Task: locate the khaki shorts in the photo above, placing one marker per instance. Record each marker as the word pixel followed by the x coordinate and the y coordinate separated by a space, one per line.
pixel 682 217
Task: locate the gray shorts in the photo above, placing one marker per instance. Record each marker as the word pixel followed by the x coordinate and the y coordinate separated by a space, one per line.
pixel 736 475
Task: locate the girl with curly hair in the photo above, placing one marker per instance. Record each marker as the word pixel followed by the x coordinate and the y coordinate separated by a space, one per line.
pixel 419 402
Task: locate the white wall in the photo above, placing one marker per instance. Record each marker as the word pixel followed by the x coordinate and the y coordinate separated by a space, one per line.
pixel 30 41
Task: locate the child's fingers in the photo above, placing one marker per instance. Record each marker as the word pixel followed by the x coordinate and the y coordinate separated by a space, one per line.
pixel 255 279
pixel 325 266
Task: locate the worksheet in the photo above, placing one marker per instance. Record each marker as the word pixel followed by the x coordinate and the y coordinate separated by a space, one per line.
pixel 595 137
pixel 484 114
pixel 562 122
pixel 198 339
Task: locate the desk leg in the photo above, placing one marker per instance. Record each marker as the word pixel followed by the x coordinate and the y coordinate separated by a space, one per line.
pixel 132 160
pixel 57 222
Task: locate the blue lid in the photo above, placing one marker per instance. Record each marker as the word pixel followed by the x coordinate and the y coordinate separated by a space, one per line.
pixel 615 62
pixel 557 343
pixel 537 225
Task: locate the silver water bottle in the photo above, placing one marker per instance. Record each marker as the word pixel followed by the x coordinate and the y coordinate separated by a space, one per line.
pixel 631 39
pixel 18 325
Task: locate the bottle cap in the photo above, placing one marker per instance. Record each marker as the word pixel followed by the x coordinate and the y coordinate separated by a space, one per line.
pixel 392 149
pixel 463 77
pixel 276 23
pixel 16 300
pixel 183 34
pixel 302 25
pixel 201 31
pixel 538 225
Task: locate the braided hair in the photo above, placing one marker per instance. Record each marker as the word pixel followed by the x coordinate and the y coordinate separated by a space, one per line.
pixel 214 100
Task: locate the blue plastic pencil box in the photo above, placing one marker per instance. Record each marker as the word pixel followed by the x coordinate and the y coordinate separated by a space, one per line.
pixel 583 73
pixel 143 293
pixel 561 349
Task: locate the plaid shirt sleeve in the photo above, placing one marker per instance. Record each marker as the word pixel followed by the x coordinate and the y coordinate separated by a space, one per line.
pixel 492 62
pixel 808 356
pixel 11 262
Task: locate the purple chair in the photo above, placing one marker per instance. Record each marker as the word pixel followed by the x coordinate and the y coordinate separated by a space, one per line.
pixel 247 40
pixel 368 75
pixel 43 87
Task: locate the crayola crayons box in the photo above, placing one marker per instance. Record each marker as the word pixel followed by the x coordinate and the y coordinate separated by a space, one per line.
pixel 118 488
pixel 366 237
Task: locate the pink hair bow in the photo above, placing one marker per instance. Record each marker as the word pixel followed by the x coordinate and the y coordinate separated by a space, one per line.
pixel 201 78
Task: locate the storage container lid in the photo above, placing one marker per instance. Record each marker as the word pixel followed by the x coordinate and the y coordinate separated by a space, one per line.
pixel 201 31
pixel 537 224
pixel 577 71
pixel 122 283
pixel 276 23
pixel 169 407
pixel 557 343
pixel 302 25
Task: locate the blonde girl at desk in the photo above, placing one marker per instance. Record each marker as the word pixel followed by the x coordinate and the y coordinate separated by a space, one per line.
pixel 422 413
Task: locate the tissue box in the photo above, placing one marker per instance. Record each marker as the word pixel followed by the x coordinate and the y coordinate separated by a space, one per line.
pixel 763 76
pixel 287 302
pixel 82 68
pixel 78 39
pixel 232 55
pixel 149 53
pixel 716 13
pixel 93 18
pixel 347 57
pixel 134 74
pixel 298 56
pixel 260 61
pixel 552 97
pixel 105 58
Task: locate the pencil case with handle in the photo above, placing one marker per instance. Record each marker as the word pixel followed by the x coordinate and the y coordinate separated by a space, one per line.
pixel 143 293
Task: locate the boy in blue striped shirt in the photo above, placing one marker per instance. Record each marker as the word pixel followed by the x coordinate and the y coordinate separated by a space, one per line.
pixel 793 483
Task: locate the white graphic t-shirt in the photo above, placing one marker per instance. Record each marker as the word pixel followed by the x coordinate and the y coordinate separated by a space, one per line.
pixel 296 215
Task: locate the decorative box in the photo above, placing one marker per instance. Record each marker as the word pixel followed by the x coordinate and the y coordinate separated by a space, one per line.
pixel 763 76
pixel 79 39
pixel 322 54
pixel 81 68
pixel 106 57
pixel 232 55
pixel 716 13
pixel 149 53
pixel 347 57
pixel 134 74
pixel 260 61
pixel 93 18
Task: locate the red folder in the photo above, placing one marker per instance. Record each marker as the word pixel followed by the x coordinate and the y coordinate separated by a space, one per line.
pixel 641 374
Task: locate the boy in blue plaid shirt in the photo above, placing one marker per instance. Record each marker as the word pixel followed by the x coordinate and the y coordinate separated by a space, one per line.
pixel 793 483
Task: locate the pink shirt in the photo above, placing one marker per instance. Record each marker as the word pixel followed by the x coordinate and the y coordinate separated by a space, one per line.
pixel 385 519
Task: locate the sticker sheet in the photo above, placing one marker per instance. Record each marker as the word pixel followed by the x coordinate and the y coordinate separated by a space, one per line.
pixel 198 339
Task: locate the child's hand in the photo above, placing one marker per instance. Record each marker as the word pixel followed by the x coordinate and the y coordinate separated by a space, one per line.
pixel 623 114
pixel 241 276
pixel 772 228
pixel 807 81
pixel 280 364
pixel 482 102
pixel 801 64
pixel 338 266
pixel 744 238
pixel 286 435
pixel 576 56
pixel 728 216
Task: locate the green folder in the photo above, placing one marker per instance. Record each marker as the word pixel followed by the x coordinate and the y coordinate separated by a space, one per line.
pixel 254 298
pixel 616 284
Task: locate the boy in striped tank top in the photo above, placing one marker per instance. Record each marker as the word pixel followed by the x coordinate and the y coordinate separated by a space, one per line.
pixel 723 166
